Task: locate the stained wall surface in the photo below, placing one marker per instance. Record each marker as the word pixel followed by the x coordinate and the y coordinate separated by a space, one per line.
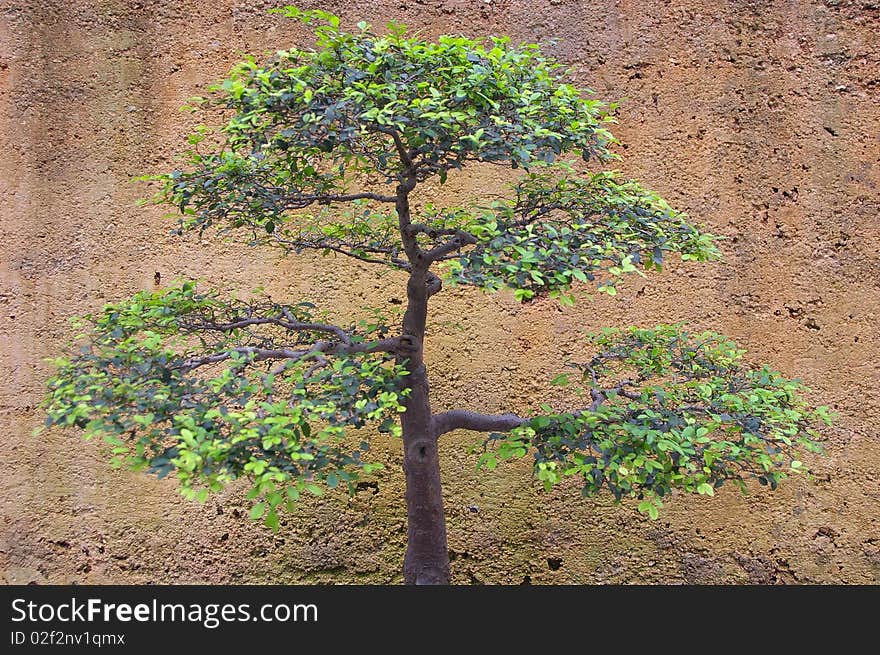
pixel 760 118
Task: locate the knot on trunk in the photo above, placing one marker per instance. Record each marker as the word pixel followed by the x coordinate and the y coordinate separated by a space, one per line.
pixel 408 344
pixel 433 284
pixel 420 450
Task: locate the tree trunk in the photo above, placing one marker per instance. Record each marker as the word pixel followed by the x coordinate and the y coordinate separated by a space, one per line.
pixel 427 555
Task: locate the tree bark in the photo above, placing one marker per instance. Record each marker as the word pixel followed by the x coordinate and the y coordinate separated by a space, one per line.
pixel 427 554
pixel 463 419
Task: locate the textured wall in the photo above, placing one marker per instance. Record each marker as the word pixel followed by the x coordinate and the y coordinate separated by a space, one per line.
pixel 759 118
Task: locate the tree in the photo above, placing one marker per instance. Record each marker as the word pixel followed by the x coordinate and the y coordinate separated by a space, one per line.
pixel 323 149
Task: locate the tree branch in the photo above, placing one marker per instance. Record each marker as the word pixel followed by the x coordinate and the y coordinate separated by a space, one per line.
pixel 402 152
pixel 462 419
pixel 289 324
pixel 392 260
pixel 410 244
pixel 433 284
pixel 533 213
pixel 316 352
pixel 421 228
pixel 326 199
pixel 302 200
pixel 257 354
pixel 459 241
pixel 407 182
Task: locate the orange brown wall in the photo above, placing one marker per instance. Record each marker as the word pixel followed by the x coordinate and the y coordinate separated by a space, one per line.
pixel 758 118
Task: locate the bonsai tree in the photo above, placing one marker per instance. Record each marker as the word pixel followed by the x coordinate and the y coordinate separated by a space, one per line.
pixel 324 149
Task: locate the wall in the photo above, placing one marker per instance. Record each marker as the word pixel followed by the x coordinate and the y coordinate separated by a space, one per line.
pixel 758 118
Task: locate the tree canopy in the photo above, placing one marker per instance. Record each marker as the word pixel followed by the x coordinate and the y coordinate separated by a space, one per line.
pixel 668 409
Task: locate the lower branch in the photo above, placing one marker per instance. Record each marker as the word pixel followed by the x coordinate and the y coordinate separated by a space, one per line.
pixel 260 354
pixel 462 419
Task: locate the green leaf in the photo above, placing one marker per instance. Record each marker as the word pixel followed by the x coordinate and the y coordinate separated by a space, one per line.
pixel 523 294
pixel 705 489
pixel 541 422
pixel 648 507
pixel 258 510
pixel 487 460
